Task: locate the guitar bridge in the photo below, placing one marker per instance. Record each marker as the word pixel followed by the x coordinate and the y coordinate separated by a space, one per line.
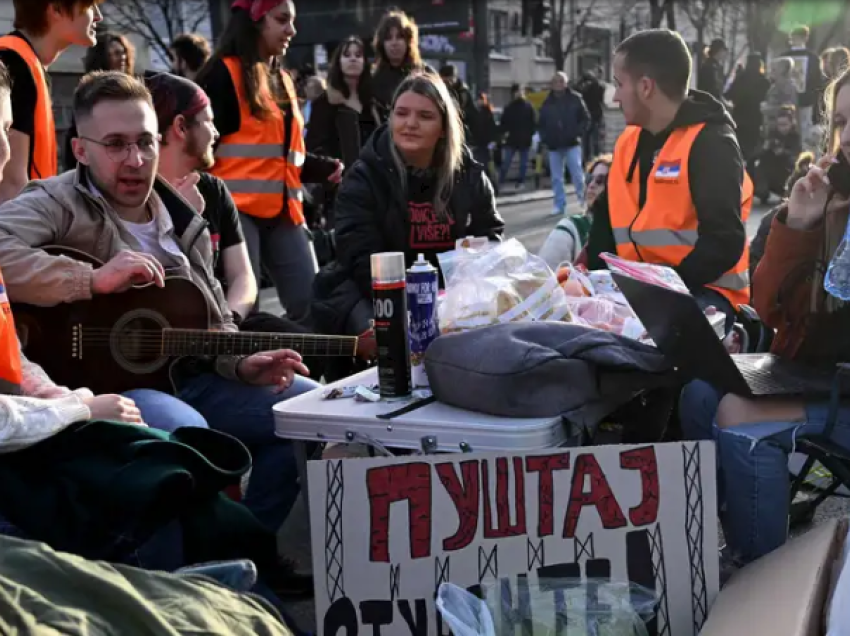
pixel 77 342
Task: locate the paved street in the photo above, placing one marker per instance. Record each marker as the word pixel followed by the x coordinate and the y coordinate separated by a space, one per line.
pixel 530 222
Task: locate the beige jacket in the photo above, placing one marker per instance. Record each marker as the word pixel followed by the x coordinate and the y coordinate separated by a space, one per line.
pixel 63 211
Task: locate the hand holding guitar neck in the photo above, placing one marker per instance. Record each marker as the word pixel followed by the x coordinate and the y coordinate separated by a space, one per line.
pixel 125 270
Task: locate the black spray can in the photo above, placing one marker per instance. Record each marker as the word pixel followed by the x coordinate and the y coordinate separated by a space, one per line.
pixel 389 301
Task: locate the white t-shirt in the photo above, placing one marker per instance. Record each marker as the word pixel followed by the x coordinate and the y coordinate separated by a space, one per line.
pixel 155 237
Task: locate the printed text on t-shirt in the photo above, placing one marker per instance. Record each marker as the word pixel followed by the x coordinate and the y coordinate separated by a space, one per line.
pixel 427 231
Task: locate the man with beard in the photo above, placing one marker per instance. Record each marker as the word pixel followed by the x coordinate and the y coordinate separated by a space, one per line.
pixel 188 138
pixel 116 210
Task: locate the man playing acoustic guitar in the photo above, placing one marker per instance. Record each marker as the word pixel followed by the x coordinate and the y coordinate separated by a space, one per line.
pixel 114 208
pixel 188 139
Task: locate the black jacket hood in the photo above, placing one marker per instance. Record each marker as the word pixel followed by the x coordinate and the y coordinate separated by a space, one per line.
pixel 699 108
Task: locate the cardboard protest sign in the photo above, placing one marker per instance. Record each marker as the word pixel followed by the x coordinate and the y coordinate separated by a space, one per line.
pixel 387 532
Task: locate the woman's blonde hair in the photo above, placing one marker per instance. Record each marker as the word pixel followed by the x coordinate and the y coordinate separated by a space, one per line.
pixel 448 155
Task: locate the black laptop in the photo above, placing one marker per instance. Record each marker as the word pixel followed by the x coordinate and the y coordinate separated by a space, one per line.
pixel 681 332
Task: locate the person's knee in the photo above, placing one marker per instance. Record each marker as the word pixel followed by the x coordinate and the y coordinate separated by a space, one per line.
pixel 698 406
pixel 733 411
pixel 165 412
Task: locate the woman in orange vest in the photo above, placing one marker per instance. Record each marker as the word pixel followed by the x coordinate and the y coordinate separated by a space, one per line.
pixel 44 29
pixel 261 155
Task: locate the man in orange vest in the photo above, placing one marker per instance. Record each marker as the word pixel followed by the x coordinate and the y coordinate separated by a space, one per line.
pixel 677 193
pixel 44 29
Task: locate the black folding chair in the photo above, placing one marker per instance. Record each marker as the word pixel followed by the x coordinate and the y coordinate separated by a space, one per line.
pixel 821 449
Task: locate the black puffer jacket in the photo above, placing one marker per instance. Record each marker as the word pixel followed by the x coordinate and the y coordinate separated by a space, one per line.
pixel 372 216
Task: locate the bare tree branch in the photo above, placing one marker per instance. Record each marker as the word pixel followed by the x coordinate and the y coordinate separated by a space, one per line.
pixel 157 22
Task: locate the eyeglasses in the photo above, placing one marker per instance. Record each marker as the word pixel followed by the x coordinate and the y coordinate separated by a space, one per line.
pixel 119 151
pixel 599 179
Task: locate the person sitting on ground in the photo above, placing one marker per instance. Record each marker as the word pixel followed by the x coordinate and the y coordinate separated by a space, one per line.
pixel 415 189
pixel 188 136
pixel 776 163
pixel 678 193
pixel 569 237
pixel 755 436
pixel 114 209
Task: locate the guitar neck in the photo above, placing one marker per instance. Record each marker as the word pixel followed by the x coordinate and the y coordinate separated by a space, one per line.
pixel 197 342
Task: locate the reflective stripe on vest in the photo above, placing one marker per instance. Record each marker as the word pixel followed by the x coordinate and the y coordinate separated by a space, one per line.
pixel 263 179
pixel 10 359
pixel 665 230
pixel 44 160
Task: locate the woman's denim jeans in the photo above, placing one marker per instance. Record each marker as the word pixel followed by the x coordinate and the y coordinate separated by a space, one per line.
pixel 753 477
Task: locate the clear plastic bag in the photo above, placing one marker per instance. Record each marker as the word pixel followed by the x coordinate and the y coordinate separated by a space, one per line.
pixel 602 312
pixel 464 613
pixel 837 280
pixel 501 284
pixel 549 607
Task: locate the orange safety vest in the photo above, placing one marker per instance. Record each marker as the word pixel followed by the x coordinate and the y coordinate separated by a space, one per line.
pixel 44 161
pixel 10 352
pixel 262 179
pixel 664 231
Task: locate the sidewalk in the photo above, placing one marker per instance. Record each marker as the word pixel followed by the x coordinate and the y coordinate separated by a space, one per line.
pixel 529 195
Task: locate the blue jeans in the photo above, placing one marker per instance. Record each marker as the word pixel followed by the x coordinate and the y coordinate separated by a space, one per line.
pixel 245 412
pixel 753 478
pixel 569 159
pixel 287 252
pixel 165 412
pixel 508 159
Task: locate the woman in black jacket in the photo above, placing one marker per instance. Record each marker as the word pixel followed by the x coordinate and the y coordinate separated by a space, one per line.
pixel 344 116
pixel 396 47
pixel 415 189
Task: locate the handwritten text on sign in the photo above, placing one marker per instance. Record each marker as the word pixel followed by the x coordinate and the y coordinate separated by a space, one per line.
pixel 388 532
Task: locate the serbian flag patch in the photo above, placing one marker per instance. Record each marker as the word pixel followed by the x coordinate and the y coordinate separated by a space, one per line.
pixel 668 171
pixel 4 299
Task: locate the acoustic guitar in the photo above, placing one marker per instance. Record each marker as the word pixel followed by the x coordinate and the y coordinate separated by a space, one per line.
pixel 117 342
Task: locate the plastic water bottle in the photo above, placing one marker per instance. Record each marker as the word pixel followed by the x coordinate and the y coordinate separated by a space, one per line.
pixel 837 280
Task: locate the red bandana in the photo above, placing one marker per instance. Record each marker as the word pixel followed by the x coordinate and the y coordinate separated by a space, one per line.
pixel 257 8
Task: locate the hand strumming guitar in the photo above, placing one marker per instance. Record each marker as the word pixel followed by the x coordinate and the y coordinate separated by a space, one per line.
pixel 126 269
pixel 271 368
pixel 114 408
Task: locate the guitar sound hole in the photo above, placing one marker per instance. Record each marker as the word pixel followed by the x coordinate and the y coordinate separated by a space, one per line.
pixel 140 341
pixel 136 341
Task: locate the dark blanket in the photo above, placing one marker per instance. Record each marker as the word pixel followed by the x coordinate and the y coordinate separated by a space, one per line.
pixel 543 369
pixel 99 489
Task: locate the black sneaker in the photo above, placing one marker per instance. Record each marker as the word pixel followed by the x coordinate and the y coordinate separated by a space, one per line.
pixel 288 583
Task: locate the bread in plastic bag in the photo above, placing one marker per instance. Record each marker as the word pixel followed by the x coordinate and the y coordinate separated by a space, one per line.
pixel 504 283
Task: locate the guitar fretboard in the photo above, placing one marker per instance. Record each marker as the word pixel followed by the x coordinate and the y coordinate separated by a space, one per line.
pixel 193 342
